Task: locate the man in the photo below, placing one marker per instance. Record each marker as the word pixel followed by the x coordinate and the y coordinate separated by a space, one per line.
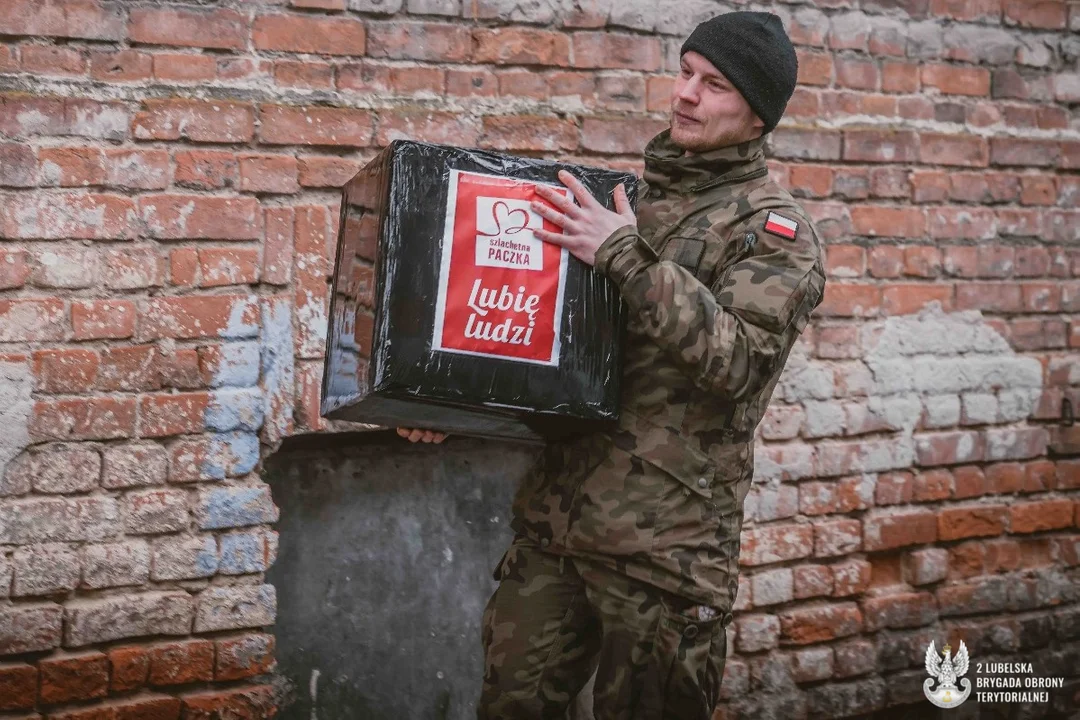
pixel 625 555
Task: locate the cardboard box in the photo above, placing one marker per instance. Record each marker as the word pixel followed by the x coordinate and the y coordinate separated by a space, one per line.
pixel 448 313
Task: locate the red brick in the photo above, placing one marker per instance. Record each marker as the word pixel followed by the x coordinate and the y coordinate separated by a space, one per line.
pixel 845 261
pixel 69 215
pixel 894 488
pixel 52 60
pixel 427 126
pixel 1020 222
pixel 18 165
pixel 228 266
pixel 195 120
pixel 199 317
pixel 32 320
pixel 309 34
pixel 815 68
pixel 83 419
pixel 148 707
pixel 955 523
pixel 515 82
pixel 132 269
pixel 172 414
pixel 328 172
pixel 1038 516
pixel 79 677
pixel 989 297
pixel 805 625
pixel 775 543
pixel 476 82
pixel 225 29
pixel 18 686
pixel 520 46
pixel 931 485
pixel 1046 14
pixel 957 80
pixel 964 223
pixel 1039 476
pixel 899 529
pixel 268 173
pixel 910 298
pixel 839 536
pixel 180 217
pixel 244 703
pixel 1032 262
pixel 1038 190
pixel 206 169
pixel 121 66
pixel 437 42
pixel 885 261
pixel 71 166
pixel 304 74
pixel 128 369
pixel 66 370
pixel 881 146
pixel 811 180
pixel 615 136
pixel 181 370
pixel 136 169
pixel 102 319
pixel 533 133
pixel 319 4
pixel 282 125
pixel 946 149
pixel 182 662
pixel 969 481
pixel 851 577
pixel 278 248
pixel 64 18
pixel 1024 151
pixel 888 221
pixel 850 299
pixel 856 74
pixel 617 50
pixel 244 656
pixel 922 261
pixel 410 81
pixel 899 610
pixel 179 67
pixel 184 267
pixel 967 9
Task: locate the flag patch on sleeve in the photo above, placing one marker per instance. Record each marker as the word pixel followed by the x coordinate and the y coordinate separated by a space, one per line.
pixel 779 225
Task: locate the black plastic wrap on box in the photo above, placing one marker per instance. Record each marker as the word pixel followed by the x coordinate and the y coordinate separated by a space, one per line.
pixel 427 329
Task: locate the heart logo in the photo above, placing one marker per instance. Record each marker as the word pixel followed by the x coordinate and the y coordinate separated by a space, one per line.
pixel 514 221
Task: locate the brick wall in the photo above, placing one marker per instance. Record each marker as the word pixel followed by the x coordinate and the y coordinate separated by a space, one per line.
pixel 167 210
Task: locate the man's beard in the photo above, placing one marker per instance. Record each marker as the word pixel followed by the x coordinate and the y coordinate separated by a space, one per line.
pixel 695 142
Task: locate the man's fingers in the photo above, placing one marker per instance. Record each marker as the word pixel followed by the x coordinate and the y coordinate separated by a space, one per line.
pixel 622 202
pixel 556 198
pixel 581 193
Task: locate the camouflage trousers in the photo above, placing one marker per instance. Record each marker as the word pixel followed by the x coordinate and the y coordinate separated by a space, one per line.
pixel 554 620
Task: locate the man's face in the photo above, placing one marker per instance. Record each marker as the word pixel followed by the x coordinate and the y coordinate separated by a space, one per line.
pixel 707 112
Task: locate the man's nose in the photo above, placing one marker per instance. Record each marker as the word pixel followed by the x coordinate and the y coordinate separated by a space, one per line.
pixel 689 91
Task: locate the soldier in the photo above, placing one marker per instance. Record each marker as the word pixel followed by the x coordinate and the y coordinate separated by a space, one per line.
pixel 626 547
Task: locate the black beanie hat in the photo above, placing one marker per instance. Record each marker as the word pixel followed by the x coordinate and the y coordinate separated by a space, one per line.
pixel 754 53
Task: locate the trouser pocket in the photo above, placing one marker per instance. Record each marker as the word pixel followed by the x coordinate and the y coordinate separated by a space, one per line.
pixel 690 660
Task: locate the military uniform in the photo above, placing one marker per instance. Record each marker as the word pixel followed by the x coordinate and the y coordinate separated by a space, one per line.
pixel 627 542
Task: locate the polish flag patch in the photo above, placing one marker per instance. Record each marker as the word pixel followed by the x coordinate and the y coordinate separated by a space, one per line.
pixel 779 225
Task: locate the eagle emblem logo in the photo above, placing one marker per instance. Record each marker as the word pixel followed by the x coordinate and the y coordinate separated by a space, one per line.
pixel 946 671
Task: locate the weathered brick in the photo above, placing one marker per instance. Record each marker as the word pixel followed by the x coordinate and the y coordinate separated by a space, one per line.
pixel 224 29
pixel 244 656
pixel 18 686
pixel 805 625
pixel 45 569
pixel 236 607
pixel 77 677
pixel 235 507
pixel 155 511
pixel 245 552
pixel 309 34
pixel 812 664
pixel 958 522
pixel 30 627
pixel 134 465
pixel 98 620
pixel 82 19
pixel 184 558
pixel 899 610
pixel 31 520
pixel 115 564
pixel 1038 516
pixel 775 543
pixel 195 120
pixel 281 125
pixel 128 668
pixel 181 662
pixel 66 469
pixel 244 702
pixel 757 632
pixel 896 529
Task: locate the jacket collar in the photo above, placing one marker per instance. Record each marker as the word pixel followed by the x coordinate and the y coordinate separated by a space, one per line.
pixel 668 166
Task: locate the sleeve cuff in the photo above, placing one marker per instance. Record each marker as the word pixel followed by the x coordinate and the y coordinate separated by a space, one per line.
pixel 624 254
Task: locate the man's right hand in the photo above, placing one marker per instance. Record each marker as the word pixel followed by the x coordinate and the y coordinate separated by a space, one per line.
pixel 428 436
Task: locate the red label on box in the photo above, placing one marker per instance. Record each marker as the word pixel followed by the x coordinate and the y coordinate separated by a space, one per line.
pixel 500 286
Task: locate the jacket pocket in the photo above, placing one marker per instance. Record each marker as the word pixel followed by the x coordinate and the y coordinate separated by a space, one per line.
pixel 690 663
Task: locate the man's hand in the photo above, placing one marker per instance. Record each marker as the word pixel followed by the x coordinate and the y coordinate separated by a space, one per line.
pixel 427 436
pixel 585 226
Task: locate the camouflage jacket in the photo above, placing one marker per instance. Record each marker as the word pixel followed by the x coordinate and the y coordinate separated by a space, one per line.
pixel 720 277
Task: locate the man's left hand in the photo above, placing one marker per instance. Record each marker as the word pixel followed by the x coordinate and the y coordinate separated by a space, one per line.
pixel 586 225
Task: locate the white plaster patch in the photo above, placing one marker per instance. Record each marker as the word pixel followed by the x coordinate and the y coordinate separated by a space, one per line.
pixel 16 385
